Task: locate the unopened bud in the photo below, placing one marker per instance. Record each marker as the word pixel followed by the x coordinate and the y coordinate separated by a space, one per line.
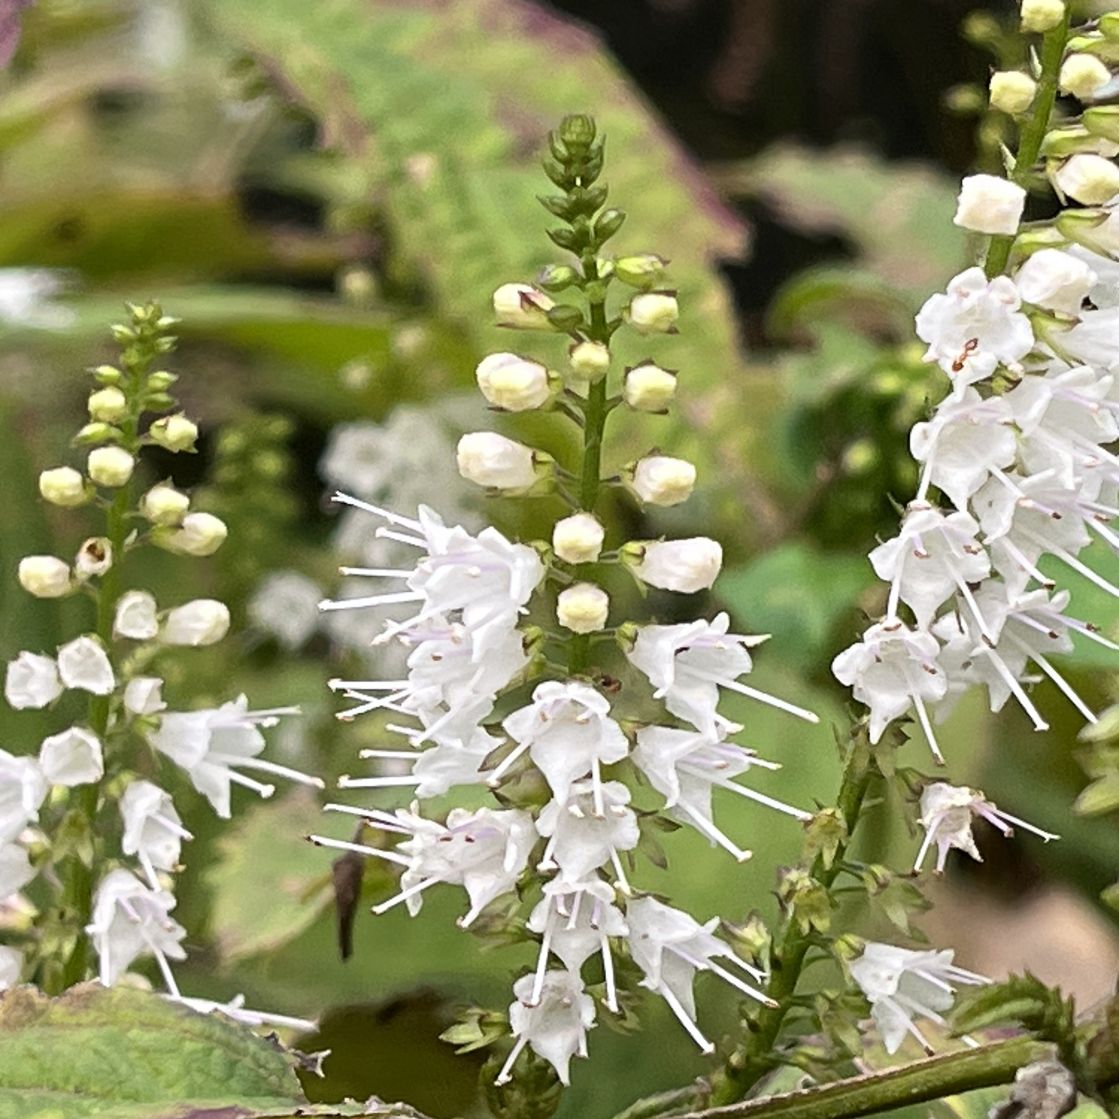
pixel 648 388
pixel 522 307
pixel 44 576
pixel 1075 139
pixel 164 505
pixel 135 616
pixel 1102 120
pixel 513 383
pixel 91 434
pixel 686 566
pixel 110 466
pixel 205 621
pixel 1097 230
pixel 174 433
pixel 1039 16
pixel 1083 76
pixel 107 405
pixel 989 204
pixel 583 608
pixel 488 459
pixel 95 557
pixel 644 271
pixel 590 361
pixel 653 312
pixel 578 538
pixel 107 375
pixel 1089 179
pixel 556 277
pixel 661 480
pixel 161 381
pixel 1012 91
pixel 200 534
pixel 64 486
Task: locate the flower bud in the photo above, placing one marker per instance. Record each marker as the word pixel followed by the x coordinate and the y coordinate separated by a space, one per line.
pixel 1012 91
pixel 513 383
pixel 1055 280
pixel 107 405
pixel 83 663
pixel 64 486
pixel 590 361
pixel 44 576
pixel 653 312
pixel 95 557
pixel 557 277
pixel 174 433
pixel 1090 179
pixel 583 608
pixel 645 270
pixel 1103 121
pixel 93 433
pixel 1097 230
pixel 200 534
pixel 136 616
pixel 578 538
pixel 1083 76
pixel 522 307
pixel 489 459
pixel 1075 139
pixel 989 204
pixel 648 388
pixel 31 682
pixel 205 621
pixel 661 480
pixel 164 505
pixel 72 758
pixel 1108 25
pixel 143 695
pixel 108 375
pixel 675 565
pixel 110 466
pixel 161 380
pixel 1041 15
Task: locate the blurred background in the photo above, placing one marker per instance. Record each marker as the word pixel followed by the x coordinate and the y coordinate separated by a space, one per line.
pixel 326 194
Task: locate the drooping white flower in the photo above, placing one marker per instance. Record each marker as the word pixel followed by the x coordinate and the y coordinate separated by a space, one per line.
pixel 1055 280
pixel 488 459
pixel 588 830
pixel 685 566
pixel 686 766
pixel 901 984
pixel 143 695
pixel 45 576
pixel 15 869
pixel 892 669
pixel 687 664
pixel 11 967
pixel 670 946
pixel 653 312
pixel 648 388
pixel 513 383
pixel 1088 178
pixel 973 326
pixel 200 534
pixel 22 791
pixel 989 204
pixel 215 744
pixel 946 815
pixel 568 732
pixel 164 505
pixel 131 920
pixel 203 621
pixel 83 663
pixel 136 616
pixel 174 433
pixel 662 480
pixel 72 757
pixel 31 682
pixel 94 558
pixel 153 831
pixel 553 1024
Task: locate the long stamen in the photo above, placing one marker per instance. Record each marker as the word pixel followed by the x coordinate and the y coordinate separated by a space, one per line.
pixel 712 832
pixel 926 726
pixel 682 1015
pixel 404 895
pixel 761 798
pixel 359 848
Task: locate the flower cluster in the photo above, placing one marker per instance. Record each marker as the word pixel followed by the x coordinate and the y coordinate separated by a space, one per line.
pixel 82 813
pixel 562 761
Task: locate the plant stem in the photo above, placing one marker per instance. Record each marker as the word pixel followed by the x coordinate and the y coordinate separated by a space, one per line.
pixel 1033 132
pixel 755 1057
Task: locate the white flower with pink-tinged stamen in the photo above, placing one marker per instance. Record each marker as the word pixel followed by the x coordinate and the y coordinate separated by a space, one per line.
pixel 588 830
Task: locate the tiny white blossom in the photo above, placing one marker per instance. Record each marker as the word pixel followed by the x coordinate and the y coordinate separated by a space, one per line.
pixel 94 557
pixel 83 663
pixel 153 831
pixel 45 576
pixel 648 388
pixel 578 538
pixel 164 505
pixel 513 383
pixel 1055 280
pixel 110 466
pixel 588 830
pixel 989 204
pixel 590 361
pixel 522 307
pixel 22 792
pixel 72 757
pixel 685 566
pixel 199 534
pixel 1041 15
pixel 64 486
pixel 653 312
pixel 1083 76
pixel 15 869
pixel 662 480
pixel 203 621
pixel 143 695
pixel 1012 91
pixel 1088 178
pixel 136 616
pixel 31 681
pixel 492 460
pixel 582 608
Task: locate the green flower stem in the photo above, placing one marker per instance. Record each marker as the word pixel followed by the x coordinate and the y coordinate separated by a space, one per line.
pixel 1033 132
pixel 755 1056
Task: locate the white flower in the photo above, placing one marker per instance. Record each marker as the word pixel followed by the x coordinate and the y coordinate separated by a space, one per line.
pixel 578 538
pixel 174 433
pixel 286 605
pixel 94 557
pixel 946 815
pixel 26 294
pixel 1088 178
pixel 688 663
pixel 143 695
pixel 901 984
pixel 45 576
pixel 200 534
pixel 164 505
pixel 973 326
pixel 513 383
pixel 1083 76
pixel 685 767
pixel 582 608
pixel 130 920
pixel 22 792
pixel 588 830
pixel 653 312
pixel 1012 91
pixel 1055 280
pixel 15 870
pixel 959 446
pixel 204 621
pixel 932 557
pixel 554 1023
pixel 662 480
pixel 686 566
pixel 488 459
pixel 11 966
pixel 568 733
pixel 72 757
pixel 31 682
pixel 1041 15
pixel 648 388
pixel 110 466
pixel 153 831
pixel 989 204
pixel 107 405
pixel 670 946
pixel 892 669
pixel 83 663
pixel 590 361
pixel 63 486
pixel 213 745
pixel 136 616
pixel 522 307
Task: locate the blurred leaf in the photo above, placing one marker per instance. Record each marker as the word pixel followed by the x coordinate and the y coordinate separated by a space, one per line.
pixel 848 294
